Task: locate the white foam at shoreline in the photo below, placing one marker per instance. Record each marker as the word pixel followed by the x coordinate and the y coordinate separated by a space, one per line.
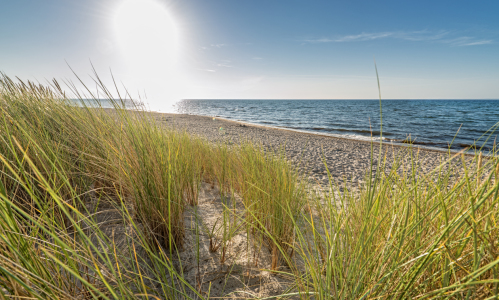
pixel 352 137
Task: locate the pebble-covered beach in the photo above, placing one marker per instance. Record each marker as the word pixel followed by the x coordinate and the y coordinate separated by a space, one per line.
pixel 346 159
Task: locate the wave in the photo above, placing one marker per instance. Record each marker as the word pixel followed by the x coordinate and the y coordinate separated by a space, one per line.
pixel 361 131
pixel 434 122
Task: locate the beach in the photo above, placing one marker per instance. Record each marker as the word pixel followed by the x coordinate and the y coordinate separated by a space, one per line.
pixel 174 199
pixel 347 160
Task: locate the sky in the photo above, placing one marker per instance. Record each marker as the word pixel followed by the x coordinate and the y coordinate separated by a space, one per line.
pixel 164 50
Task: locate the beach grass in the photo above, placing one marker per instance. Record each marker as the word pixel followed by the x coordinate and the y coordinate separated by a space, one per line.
pixel 93 203
pixel 408 236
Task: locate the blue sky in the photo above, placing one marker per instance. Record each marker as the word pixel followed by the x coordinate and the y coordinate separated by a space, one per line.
pixel 259 48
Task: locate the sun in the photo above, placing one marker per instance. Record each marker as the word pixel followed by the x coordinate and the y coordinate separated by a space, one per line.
pixel 147 36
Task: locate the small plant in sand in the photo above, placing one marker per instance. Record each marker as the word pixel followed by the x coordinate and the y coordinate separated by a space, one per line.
pixel 221 233
pixel 212 234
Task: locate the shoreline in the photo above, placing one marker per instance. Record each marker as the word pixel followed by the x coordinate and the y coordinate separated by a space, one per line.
pixel 338 136
pixel 375 140
pixel 347 159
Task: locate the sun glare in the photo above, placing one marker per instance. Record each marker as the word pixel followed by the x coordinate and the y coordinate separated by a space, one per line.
pixel 147 35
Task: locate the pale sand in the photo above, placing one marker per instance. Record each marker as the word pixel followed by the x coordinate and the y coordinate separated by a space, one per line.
pixel 243 274
pixel 346 159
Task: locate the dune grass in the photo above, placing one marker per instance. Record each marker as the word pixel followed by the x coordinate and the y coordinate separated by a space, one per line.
pixel 402 238
pixel 93 204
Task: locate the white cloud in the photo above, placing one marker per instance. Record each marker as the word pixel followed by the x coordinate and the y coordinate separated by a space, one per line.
pixel 219 45
pixel 466 41
pixel 441 36
pixel 257 58
pixel 206 70
pixel 421 35
pixel 224 63
pixel 352 38
pixel 321 40
pixel 364 37
pixel 484 42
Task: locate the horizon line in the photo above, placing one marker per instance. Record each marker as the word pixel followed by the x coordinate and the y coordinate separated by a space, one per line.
pixel 374 99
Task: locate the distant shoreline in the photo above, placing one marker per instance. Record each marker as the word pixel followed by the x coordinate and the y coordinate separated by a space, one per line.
pixel 346 158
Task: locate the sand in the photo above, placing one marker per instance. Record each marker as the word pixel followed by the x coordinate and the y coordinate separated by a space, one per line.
pixel 242 271
pixel 346 159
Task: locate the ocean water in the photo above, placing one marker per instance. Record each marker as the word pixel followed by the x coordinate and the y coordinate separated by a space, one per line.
pixel 443 124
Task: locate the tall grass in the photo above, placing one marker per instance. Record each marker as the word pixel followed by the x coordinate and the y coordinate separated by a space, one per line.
pixel 273 195
pixel 93 200
pixel 54 155
pixel 412 236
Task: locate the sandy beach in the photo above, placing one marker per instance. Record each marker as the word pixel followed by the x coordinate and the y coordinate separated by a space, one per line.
pixel 229 150
pixel 244 272
pixel 346 159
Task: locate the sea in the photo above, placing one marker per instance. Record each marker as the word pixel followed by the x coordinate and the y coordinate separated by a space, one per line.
pixel 434 124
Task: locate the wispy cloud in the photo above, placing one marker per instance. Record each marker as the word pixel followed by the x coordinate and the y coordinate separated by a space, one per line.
pixel 466 41
pixel 484 42
pixel 442 36
pixel 257 58
pixel 219 45
pixel 207 70
pixel 211 46
pixel 364 37
pixel 318 40
pixel 215 66
pixel 223 63
pixel 422 35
